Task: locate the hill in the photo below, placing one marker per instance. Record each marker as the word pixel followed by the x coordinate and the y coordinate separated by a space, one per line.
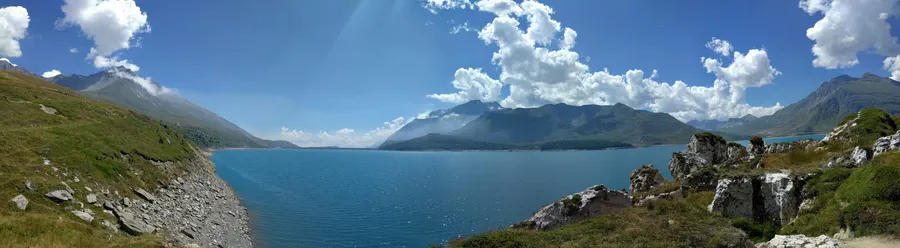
pixel 715 125
pixel 824 108
pixel 589 122
pixel 123 87
pixel 50 134
pixel 443 121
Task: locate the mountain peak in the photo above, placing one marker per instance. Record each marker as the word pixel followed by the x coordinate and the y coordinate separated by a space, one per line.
pixel 870 76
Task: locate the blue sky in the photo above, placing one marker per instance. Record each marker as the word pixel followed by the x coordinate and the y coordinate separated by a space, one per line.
pixel 313 66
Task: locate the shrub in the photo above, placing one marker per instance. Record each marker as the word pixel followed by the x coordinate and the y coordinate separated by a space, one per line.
pixel 758 230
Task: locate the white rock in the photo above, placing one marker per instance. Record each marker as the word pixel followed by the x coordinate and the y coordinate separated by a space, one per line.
pixel 21 201
pixel 83 215
pixel 859 156
pixel 800 241
pixel 734 198
pixel 91 198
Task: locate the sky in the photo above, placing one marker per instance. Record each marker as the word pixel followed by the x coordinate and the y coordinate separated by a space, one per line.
pixel 350 73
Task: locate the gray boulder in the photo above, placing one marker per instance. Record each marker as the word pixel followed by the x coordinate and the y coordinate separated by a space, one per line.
pixel 83 215
pixel 773 195
pixel 785 147
pixel 146 195
pixel 736 152
pixel 860 156
pixel 20 201
pixel 708 146
pixel 800 241
pixel 855 158
pixel 91 198
pixel 645 179
pixel 886 143
pixel 586 204
pixel 59 196
pixel 132 225
pixel 734 198
pixel 694 166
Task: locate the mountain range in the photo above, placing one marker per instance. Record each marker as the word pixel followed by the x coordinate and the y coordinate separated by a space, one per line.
pixel 123 87
pixel 715 125
pixel 822 109
pixel 443 121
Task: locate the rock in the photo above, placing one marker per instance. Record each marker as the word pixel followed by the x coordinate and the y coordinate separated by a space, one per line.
pixel 886 143
pixel 774 195
pixel 188 233
pixel 126 202
pixel 133 226
pixel 734 198
pixel 840 132
pixel 757 145
pixel 694 166
pixel 109 206
pixel 21 201
pixel 146 195
pixel 736 153
pixel 674 195
pixel 28 185
pixel 59 196
pixel 91 198
pixel 800 241
pixel 110 225
pixel 780 198
pixel 644 179
pixel 69 189
pixel 860 156
pixel 83 215
pixel 785 147
pixel 586 204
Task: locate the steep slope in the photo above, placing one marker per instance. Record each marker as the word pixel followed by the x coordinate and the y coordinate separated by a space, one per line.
pixel 53 139
pixel 565 122
pixel 443 121
pixel 823 109
pixel 122 87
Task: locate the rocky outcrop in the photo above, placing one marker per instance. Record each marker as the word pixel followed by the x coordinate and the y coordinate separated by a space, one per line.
pixel 644 179
pixel 146 195
pixel 757 145
pixel 785 147
pixel 586 204
pixel 800 241
pixel 20 201
pixel 842 132
pixel 860 156
pixel 886 143
pixel 673 195
pixel 736 152
pixel 710 147
pixel 772 196
pixel 694 166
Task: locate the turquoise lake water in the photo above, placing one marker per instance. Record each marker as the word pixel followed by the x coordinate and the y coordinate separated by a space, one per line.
pixel 348 198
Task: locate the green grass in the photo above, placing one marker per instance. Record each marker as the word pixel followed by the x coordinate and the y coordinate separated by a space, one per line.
pixel 758 230
pixel 660 224
pixel 105 146
pixel 872 124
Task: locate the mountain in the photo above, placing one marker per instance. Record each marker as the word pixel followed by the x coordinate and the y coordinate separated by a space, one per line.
pixel 124 87
pixel 9 66
pixel 822 109
pixel 714 125
pixel 443 121
pixel 618 123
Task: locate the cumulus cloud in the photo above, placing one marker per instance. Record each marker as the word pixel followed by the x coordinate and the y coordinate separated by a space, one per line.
pixel 111 24
pixel 13 26
pixel 720 46
pixel 51 73
pixel 849 27
pixel 73 50
pixel 345 137
pixel 892 64
pixel 473 84
pixel 537 75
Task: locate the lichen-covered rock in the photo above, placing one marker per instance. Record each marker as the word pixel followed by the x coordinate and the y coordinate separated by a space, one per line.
pixel 644 179
pixel 860 156
pixel 734 198
pixel 693 167
pixel 710 147
pixel 20 201
pixel 586 204
pixel 800 241
pixel 781 199
pixel 886 143
pixel 736 153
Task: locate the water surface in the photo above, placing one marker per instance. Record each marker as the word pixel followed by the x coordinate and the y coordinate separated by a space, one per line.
pixel 347 198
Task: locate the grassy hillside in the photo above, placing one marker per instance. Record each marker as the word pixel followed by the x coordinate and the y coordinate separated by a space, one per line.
pixel 105 147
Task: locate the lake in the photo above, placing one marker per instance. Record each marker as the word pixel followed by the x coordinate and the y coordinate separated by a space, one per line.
pixel 359 198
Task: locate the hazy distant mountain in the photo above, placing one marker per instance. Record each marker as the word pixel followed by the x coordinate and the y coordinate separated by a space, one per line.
pixel 618 123
pixel 715 125
pixel 123 87
pixel 6 65
pixel 822 109
pixel 443 121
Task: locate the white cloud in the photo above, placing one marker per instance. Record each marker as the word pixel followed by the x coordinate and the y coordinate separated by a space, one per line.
pixel 146 83
pixel 473 85
pixel 849 27
pixel 51 73
pixel 720 46
pixel 111 24
pixel 105 62
pixel 462 27
pixel 499 7
pixel 537 75
pixel 73 50
pixel 892 64
pixel 434 5
pixel 344 137
pixel 13 26
pixel 7 61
